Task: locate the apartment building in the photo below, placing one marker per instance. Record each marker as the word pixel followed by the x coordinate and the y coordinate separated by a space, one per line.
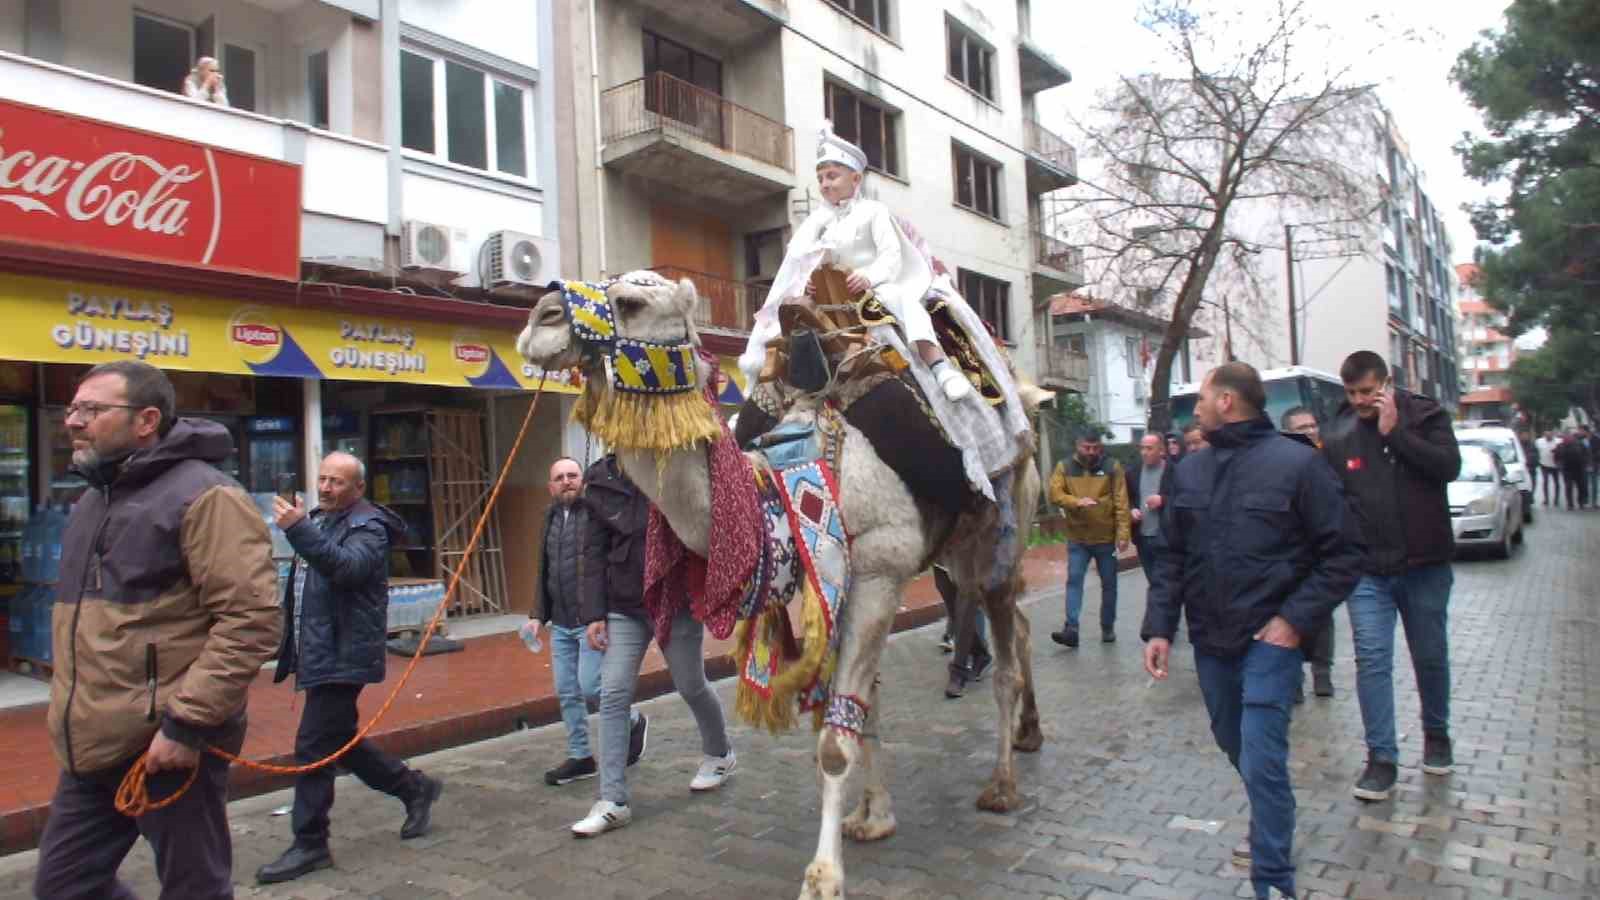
pixel 693 130
pixel 1487 352
pixel 337 257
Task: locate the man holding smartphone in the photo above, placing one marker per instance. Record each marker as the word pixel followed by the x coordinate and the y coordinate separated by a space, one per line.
pixel 1397 454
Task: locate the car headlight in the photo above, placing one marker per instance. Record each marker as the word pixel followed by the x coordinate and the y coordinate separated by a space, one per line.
pixel 1482 506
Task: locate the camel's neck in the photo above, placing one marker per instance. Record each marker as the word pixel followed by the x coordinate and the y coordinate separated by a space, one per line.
pixel 681 489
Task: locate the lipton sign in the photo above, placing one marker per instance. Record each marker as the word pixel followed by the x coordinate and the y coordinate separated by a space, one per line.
pixel 81 184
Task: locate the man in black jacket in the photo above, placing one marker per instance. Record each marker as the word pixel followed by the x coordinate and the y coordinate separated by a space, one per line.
pixel 1149 488
pixel 1257 551
pixel 1397 454
pixel 335 624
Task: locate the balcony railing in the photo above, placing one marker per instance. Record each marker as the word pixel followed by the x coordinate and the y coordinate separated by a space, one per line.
pixel 662 103
pixel 1058 255
pixel 1058 364
pixel 1047 145
pixel 724 303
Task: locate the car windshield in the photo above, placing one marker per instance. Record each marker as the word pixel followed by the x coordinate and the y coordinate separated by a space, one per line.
pixel 1476 466
pixel 1506 449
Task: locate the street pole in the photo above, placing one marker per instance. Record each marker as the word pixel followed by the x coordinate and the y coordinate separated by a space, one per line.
pixel 1288 264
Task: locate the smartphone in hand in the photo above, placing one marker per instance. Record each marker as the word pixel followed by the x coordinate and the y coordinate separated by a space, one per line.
pixel 284 483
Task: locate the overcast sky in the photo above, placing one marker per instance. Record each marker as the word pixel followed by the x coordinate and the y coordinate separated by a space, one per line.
pixel 1100 41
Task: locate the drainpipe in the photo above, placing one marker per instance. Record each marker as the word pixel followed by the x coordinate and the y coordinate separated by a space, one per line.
pixel 389 38
pixel 599 143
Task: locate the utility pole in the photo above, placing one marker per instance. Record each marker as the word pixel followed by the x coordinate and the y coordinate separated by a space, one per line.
pixel 1288 264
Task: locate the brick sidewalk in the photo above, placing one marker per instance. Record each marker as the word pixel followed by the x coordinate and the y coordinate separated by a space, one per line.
pixel 491 688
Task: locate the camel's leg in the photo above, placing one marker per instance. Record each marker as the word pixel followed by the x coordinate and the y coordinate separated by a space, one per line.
pixel 1000 795
pixel 1029 737
pixel 866 627
pixel 873 819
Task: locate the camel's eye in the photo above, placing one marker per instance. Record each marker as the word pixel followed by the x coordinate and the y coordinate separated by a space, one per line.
pixel 551 315
pixel 629 305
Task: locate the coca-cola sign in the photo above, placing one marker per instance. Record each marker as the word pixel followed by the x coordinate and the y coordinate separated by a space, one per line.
pixel 85 185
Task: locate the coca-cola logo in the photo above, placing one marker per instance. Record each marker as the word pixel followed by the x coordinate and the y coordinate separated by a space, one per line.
pixel 472 353
pixel 114 189
pixel 257 335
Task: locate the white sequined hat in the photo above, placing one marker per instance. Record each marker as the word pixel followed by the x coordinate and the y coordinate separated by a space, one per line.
pixel 834 149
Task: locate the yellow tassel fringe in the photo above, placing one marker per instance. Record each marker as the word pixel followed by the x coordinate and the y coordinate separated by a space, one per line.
pixel 652 422
pixel 777 712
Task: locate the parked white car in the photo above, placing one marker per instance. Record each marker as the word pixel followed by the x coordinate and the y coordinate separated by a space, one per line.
pixel 1485 505
pixel 1503 441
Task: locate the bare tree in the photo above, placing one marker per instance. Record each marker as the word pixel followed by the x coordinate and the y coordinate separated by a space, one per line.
pixel 1196 167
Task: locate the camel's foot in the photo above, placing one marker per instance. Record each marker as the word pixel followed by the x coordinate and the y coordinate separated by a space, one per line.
pixel 1029 738
pixel 1000 796
pixel 868 823
pixel 824 881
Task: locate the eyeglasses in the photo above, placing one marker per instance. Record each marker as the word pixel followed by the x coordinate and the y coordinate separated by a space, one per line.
pixel 89 411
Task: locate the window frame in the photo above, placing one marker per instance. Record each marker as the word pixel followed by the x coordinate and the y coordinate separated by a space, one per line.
pixel 889 117
pixel 985 88
pixel 1130 349
pixel 847 7
pixel 997 186
pixel 998 308
pixel 440 154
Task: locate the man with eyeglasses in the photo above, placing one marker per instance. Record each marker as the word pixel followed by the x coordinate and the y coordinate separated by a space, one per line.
pixel 165 611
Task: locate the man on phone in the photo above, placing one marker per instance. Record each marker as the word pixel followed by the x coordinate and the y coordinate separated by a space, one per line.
pixel 1396 452
pixel 1257 552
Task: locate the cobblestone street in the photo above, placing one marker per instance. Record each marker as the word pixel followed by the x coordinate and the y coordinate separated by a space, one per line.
pixel 1129 796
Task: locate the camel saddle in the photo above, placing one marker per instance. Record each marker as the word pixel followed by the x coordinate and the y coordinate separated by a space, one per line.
pixel 826 342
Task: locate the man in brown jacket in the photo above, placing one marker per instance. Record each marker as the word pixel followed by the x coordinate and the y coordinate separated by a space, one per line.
pixel 165 610
pixel 1095 500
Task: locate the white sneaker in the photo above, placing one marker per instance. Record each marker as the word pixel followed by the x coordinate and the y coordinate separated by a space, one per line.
pixel 954 382
pixel 604 816
pixel 714 770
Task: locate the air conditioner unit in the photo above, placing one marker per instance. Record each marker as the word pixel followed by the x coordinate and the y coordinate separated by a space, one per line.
pixel 514 258
pixel 424 245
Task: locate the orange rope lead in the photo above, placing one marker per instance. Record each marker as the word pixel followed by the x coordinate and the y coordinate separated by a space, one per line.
pixel 133 794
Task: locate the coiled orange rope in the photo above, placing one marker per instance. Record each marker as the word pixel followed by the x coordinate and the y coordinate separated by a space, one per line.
pixel 133 794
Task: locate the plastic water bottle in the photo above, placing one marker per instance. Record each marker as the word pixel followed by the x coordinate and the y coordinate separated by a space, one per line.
pixel 55 528
pixel 30 546
pixel 44 605
pixel 394 609
pixel 531 637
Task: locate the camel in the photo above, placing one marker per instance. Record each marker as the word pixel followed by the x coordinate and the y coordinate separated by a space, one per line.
pixel 893 541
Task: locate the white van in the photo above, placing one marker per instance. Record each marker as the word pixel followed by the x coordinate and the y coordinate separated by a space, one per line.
pixel 1503 442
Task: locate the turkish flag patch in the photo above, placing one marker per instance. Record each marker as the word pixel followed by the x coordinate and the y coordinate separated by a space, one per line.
pixel 1353 464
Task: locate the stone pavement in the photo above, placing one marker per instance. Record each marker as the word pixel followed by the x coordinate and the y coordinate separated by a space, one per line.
pixel 1129 796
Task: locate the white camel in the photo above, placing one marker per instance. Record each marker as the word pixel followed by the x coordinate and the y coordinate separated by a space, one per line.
pixel 892 541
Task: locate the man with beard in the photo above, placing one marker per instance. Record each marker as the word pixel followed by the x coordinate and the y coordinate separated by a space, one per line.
pixel 1095 501
pixel 164 613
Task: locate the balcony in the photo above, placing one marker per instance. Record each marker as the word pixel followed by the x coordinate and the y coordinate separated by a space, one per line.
pixel 725 305
pixel 728 22
pixel 1060 369
pixel 688 139
pixel 1057 266
pixel 1039 69
pixel 1052 162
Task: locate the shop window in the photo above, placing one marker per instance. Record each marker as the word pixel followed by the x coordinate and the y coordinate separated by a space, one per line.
pixel 977 181
pixel 971 61
pixel 862 121
pixel 872 13
pixel 479 119
pixel 990 298
pixel 163 52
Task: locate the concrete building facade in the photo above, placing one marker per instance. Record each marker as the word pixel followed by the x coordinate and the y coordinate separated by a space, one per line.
pixel 690 130
pixel 1487 352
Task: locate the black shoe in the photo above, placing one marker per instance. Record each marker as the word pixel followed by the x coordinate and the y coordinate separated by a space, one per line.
pixel 1322 683
pixel 1066 637
pixel 299 859
pixel 1437 755
pixel 956 688
pixel 638 738
pixel 980 665
pixel 419 809
pixel 1377 781
pixel 1107 636
pixel 571 770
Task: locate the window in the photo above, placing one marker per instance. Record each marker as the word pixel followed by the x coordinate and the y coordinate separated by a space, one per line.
pixel 476 119
pixel 680 99
pixel 971 61
pixel 163 51
pixel 872 13
pixel 239 68
pixel 977 182
pixel 1130 347
pixel 861 121
pixel 666 55
pixel 317 89
pixel 1074 343
pixel 990 298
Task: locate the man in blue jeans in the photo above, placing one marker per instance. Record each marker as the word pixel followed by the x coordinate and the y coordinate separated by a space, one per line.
pixel 1094 499
pixel 1257 552
pixel 1397 454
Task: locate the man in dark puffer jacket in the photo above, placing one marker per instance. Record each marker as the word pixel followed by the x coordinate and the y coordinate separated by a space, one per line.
pixel 336 622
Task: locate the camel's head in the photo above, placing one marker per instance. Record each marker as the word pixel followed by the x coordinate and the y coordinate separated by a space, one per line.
pixel 574 323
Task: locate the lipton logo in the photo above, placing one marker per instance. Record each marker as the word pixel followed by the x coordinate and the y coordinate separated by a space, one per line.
pixel 257 335
pixel 471 353
pixel 114 189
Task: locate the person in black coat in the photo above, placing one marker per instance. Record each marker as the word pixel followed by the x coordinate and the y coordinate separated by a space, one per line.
pixel 1572 455
pixel 336 621
pixel 1257 552
pixel 1147 500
